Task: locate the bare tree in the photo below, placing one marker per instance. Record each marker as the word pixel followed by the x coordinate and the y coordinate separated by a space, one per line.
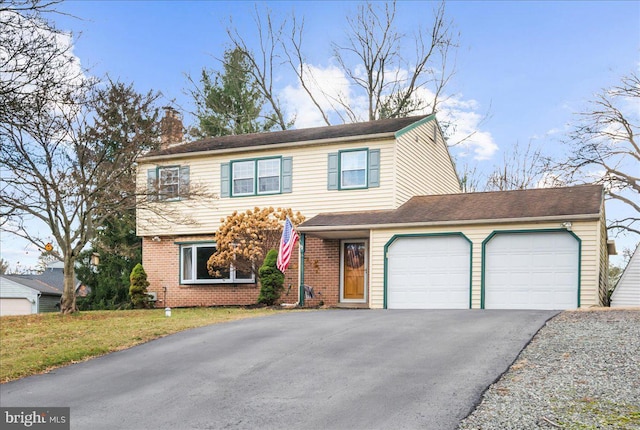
pixel 388 79
pixel 604 149
pixel 4 266
pixel 57 170
pixel 521 170
pixel 373 59
pixel 264 62
pixel 35 62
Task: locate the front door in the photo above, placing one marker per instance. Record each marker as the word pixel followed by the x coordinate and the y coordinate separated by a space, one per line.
pixel 353 269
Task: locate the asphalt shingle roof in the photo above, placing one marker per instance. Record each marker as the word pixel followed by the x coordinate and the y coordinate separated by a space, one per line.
pixel 583 200
pixel 45 283
pixel 291 136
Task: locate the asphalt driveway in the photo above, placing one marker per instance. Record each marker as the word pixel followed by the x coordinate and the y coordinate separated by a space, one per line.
pixel 335 369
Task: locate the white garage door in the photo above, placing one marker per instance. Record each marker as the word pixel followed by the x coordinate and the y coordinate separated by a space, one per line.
pixel 531 271
pixel 15 307
pixel 429 272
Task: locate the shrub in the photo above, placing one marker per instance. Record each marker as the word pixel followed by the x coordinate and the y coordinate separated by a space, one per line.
pixel 271 279
pixel 138 288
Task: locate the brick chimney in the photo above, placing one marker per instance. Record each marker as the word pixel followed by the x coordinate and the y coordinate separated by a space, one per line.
pixel 171 128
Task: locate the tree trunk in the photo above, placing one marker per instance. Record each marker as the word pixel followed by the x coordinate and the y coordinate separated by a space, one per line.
pixel 68 302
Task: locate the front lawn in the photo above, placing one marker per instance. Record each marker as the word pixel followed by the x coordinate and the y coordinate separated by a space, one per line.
pixel 32 344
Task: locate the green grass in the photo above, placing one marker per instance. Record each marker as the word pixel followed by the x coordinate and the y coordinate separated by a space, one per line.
pixel 33 344
pixel 592 414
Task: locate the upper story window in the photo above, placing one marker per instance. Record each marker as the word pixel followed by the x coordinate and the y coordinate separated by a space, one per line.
pixel 167 183
pixel 256 177
pixel 243 178
pixel 269 176
pixel 194 270
pixel 353 169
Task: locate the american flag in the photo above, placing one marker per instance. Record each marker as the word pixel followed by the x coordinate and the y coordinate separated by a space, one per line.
pixel 287 242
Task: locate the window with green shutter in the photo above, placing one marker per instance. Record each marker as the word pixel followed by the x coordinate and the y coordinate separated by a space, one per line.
pixel 168 183
pixel 353 169
pixel 256 176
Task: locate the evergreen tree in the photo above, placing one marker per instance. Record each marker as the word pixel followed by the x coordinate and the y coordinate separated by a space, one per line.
pixel 119 251
pixel 125 125
pixel 271 279
pixel 138 288
pixel 230 102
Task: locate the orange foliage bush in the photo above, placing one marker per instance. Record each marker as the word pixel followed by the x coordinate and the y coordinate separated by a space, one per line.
pixel 244 238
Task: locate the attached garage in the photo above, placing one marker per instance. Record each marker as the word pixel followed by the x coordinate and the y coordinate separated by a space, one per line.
pixel 531 270
pixel 543 248
pixel 429 272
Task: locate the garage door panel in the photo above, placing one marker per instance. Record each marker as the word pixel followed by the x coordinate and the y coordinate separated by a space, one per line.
pixel 10 306
pixel 428 273
pixel 537 270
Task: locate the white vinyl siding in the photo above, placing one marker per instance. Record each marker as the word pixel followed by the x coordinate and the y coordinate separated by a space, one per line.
pixel 309 193
pixel 422 166
pixel 627 292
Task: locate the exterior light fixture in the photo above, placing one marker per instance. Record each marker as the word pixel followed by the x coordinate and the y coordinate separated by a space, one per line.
pixel 567 225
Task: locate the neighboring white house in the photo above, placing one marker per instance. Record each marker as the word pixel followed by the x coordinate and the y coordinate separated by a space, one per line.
pixel 20 295
pixel 32 294
pixel 627 292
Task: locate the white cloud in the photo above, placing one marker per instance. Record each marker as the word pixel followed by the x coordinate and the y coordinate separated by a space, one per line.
pixel 465 130
pixel 24 51
pixel 327 85
pixel 330 84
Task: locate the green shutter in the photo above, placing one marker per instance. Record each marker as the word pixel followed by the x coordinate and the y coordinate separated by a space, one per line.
pixel 287 174
pixel 183 192
pixel 332 171
pixel 225 184
pixel 374 168
pixel 152 184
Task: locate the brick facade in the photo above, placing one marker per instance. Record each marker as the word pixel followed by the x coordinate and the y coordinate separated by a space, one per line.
pixel 161 260
pixel 322 271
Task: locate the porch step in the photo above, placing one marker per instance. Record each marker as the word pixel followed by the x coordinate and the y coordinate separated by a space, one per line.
pixel 352 306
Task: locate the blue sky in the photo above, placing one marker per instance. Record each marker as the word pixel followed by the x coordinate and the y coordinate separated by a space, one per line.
pixel 529 65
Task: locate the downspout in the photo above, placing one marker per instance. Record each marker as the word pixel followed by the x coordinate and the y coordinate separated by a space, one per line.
pixel 301 269
pixel 38 303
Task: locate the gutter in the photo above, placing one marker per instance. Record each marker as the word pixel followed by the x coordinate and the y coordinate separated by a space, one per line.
pixel 580 217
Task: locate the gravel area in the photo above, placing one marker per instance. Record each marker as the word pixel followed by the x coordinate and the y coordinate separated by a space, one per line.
pixel 581 371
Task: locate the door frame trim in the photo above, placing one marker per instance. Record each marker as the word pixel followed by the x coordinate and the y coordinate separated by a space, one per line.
pixel 366 271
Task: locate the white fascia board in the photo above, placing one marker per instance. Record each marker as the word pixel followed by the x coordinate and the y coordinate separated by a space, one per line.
pixel 582 217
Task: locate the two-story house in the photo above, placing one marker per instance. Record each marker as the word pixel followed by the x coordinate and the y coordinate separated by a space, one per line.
pixel 387 225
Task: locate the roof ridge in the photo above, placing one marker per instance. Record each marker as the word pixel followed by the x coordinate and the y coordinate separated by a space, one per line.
pixel 298 135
